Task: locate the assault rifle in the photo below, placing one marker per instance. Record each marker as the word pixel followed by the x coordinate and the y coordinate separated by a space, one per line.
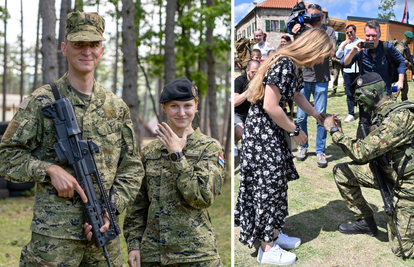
pixel 387 194
pixel 76 152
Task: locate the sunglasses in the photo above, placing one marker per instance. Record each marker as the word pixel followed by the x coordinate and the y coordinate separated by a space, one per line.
pixel 315 6
pixel 349 32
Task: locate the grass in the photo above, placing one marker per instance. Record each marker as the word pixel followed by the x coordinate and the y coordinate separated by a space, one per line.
pixel 316 209
pixel 16 215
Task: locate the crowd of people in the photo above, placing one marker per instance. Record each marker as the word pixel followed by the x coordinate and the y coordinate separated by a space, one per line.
pixel 298 68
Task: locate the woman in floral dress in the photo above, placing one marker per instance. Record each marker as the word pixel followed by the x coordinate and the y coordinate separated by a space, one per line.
pixel 266 160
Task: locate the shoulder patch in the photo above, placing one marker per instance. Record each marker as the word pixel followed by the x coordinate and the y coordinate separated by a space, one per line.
pixel 192 153
pixel 110 113
pixel 387 118
pixel 221 160
pixel 11 129
pixel 24 103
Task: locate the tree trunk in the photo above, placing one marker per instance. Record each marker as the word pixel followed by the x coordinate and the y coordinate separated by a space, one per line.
pixel 130 69
pixel 115 81
pixel 50 71
pixel 169 57
pixel 5 64
pixel 37 50
pixel 211 73
pixel 65 8
pixel 21 56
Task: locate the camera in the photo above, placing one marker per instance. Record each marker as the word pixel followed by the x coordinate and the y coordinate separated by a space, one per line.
pixel 367 45
pixel 300 16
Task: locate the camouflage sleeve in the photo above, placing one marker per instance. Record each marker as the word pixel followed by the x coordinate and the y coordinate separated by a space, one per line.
pixel 199 184
pixel 394 131
pixel 130 171
pixel 136 219
pixel 21 138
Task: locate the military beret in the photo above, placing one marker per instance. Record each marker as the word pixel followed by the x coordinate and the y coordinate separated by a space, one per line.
pixel 180 89
pixel 84 27
pixel 409 34
pixel 367 80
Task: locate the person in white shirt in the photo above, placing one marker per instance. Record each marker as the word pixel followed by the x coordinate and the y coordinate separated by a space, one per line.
pixel 262 45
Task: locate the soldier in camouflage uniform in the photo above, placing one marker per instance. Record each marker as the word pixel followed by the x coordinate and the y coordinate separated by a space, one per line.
pixel 403 48
pixel 392 137
pixel 169 223
pixel 27 154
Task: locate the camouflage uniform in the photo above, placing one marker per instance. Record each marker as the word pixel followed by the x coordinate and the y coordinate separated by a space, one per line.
pixel 26 153
pixel 169 222
pixel 338 68
pixel 401 47
pixel 392 137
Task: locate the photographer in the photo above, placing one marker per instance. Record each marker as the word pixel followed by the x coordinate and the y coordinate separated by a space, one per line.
pixel 316 81
pixel 374 60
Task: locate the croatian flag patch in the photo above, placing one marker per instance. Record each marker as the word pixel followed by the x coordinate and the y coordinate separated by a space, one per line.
pixel 221 160
pixel 386 119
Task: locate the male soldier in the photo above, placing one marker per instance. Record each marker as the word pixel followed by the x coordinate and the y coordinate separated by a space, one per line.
pixel 403 48
pixel 336 69
pixel 393 136
pixel 27 154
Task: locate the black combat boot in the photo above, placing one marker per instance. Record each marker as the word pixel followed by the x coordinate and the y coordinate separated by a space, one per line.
pixel 361 226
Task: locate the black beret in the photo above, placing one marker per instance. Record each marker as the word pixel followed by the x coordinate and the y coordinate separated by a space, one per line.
pixel 180 89
pixel 367 79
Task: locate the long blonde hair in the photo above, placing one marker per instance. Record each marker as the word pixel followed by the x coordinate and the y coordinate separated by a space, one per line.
pixel 311 45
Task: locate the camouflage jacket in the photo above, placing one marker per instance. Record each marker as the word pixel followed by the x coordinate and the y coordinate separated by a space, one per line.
pixel 404 50
pixel 26 152
pixel 169 221
pixel 392 136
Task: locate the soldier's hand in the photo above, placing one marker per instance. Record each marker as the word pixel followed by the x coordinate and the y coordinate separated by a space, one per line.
pixel 134 258
pixel 329 122
pixel 65 183
pixel 104 228
pixel 169 139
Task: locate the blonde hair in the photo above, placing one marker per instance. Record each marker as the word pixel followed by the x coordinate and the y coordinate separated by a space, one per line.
pixel 309 46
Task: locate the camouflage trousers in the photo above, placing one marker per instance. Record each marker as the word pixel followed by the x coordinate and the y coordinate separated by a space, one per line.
pixel 212 263
pixel 349 178
pixel 403 92
pixel 337 70
pixel 55 252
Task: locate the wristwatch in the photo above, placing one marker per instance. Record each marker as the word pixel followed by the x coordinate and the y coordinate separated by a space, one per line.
pixel 175 156
pixel 296 132
pixel 333 130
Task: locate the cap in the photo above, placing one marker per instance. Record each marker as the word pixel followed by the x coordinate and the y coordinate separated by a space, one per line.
pixel 369 81
pixel 409 34
pixel 180 89
pixel 84 27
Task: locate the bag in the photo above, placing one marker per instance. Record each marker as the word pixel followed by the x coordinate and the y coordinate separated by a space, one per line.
pixel 243 50
pixel 392 67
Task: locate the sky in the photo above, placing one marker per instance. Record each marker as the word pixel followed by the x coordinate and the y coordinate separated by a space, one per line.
pixel 340 9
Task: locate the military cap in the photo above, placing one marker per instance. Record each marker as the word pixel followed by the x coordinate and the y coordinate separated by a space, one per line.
pixel 409 34
pixel 370 79
pixel 84 27
pixel 180 89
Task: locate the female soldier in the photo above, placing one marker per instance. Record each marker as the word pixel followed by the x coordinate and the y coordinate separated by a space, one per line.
pixel 266 163
pixel 169 223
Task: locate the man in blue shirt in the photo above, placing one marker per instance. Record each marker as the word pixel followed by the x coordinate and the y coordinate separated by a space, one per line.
pixel 374 60
pixel 349 73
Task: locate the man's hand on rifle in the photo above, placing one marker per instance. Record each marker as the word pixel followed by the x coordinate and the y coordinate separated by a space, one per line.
pixel 65 183
pixel 104 228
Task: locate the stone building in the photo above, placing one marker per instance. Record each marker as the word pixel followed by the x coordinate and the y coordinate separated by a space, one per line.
pixel 271 17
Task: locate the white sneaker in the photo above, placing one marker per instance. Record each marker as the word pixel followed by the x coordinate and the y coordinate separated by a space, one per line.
pixel 287 242
pixel 349 118
pixel 276 255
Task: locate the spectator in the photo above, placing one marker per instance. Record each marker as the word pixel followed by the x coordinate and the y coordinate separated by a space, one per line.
pixel 256 55
pixel 374 60
pixel 241 105
pixel 316 80
pixel 403 48
pixel 349 73
pixel 262 45
pixel 284 41
pixel 336 69
pixel 271 53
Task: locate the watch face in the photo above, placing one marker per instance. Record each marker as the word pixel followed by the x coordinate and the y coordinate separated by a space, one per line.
pixel 173 156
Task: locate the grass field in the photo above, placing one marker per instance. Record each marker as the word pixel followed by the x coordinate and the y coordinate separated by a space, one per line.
pixel 316 209
pixel 16 215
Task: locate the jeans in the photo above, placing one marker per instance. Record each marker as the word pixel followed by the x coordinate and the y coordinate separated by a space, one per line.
pixel 348 79
pixel 320 97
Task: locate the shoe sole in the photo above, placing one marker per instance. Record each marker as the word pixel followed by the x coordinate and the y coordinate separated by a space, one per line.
pixel 280 264
pixel 322 165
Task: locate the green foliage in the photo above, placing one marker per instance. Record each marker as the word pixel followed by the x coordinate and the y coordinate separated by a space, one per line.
pixel 387 7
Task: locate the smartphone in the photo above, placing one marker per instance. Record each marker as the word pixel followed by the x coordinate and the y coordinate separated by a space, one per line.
pixel 367 45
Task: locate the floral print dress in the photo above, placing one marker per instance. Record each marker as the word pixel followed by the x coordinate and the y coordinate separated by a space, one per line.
pixel 266 163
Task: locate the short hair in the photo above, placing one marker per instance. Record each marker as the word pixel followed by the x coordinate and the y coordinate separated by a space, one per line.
pixel 251 63
pixel 259 30
pixel 373 24
pixel 351 25
pixel 286 37
pixel 256 52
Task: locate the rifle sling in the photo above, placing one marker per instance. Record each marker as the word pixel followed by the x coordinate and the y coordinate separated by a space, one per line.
pixel 55 91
